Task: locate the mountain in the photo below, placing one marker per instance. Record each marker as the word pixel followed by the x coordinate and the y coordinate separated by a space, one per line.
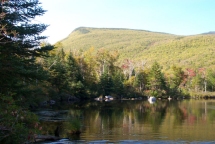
pixel 139 45
pixel 210 32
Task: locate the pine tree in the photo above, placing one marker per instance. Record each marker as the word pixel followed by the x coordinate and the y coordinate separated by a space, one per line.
pixel 106 84
pixel 19 47
pixel 140 81
pixel 74 77
pixel 118 87
pixel 156 81
pixel 57 70
pixel 19 43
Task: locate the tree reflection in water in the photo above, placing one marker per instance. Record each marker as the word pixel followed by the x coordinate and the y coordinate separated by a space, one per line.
pixel 124 120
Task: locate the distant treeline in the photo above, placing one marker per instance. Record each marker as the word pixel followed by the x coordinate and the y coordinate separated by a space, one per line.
pixel 93 73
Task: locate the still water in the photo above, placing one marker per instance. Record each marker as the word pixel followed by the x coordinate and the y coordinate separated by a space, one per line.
pixel 186 121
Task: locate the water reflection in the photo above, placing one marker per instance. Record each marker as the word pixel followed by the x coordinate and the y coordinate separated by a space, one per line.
pixel 118 121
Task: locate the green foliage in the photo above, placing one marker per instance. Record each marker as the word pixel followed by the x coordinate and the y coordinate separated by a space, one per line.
pixel 65 74
pixel 17 124
pixel 156 79
pixel 73 126
pixel 211 80
pixel 174 80
pixel 89 67
pixel 140 82
pixel 106 84
pixel 58 78
pixel 95 71
pixel 118 87
pixel 137 50
pixel 73 74
pixel 78 74
pixel 177 77
pixel 196 82
pixel 19 49
pixel 167 49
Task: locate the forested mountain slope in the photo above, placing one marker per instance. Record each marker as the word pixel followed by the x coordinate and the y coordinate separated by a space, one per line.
pixel 138 45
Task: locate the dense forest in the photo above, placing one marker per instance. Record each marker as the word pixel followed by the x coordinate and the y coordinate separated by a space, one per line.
pixel 33 71
pixel 92 73
pixel 139 45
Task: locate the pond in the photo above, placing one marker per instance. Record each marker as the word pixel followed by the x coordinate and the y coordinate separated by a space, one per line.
pixel 133 121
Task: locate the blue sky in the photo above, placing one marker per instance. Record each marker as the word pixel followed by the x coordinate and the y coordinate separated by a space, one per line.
pixel 181 17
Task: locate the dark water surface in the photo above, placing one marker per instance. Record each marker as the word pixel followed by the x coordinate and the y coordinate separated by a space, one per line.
pixel 186 121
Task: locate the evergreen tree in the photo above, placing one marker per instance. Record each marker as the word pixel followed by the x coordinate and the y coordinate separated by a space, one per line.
pixel 74 77
pixel 118 87
pixel 140 81
pixel 20 43
pixel 58 72
pixel 156 81
pixel 106 84
pixel 19 47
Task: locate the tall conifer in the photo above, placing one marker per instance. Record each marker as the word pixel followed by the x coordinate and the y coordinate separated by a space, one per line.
pixel 19 47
